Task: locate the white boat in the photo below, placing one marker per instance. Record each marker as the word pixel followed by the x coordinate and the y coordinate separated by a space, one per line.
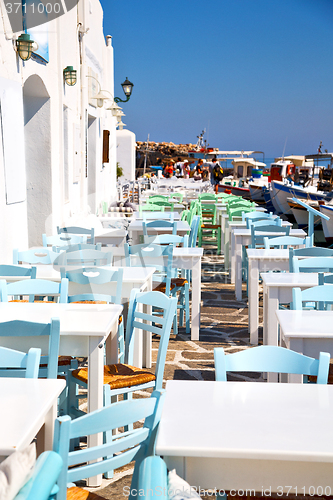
pixel 327 224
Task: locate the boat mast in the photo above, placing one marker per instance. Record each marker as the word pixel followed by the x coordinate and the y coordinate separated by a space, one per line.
pixel 146 154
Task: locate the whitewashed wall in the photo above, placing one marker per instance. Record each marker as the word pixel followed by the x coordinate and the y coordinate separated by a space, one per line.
pixel 126 153
pixel 47 132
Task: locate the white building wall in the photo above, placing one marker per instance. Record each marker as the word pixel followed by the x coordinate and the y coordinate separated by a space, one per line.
pixel 126 153
pixel 55 123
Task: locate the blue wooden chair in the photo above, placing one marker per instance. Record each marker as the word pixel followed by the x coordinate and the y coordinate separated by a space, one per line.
pixel 76 247
pixel 82 258
pixel 194 228
pixel 167 239
pixel 308 252
pixel 92 283
pixel 253 215
pixel 129 446
pixel 40 255
pixel 17 270
pixel 285 242
pixel 165 278
pixel 29 329
pixel 258 231
pixel 79 231
pixel 17 364
pixel 63 239
pixel 258 222
pixel 318 297
pixel 44 478
pixel 35 289
pixel 270 359
pixel 161 223
pixel 311 264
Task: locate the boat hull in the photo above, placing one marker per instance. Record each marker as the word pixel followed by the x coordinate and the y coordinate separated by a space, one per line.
pixel 327 224
pixel 281 192
pixel 238 191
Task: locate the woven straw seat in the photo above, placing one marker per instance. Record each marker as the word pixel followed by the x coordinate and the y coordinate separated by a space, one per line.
pixel 118 376
pixel 76 493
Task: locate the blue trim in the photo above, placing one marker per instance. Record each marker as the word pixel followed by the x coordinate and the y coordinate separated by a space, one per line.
pixel 299 193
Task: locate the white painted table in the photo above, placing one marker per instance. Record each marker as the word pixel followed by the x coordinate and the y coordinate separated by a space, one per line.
pixel 156 215
pixel 185 258
pixel 277 289
pixel 84 329
pixel 228 435
pixel 26 406
pixel 135 230
pixel 109 236
pixel 240 237
pixel 307 332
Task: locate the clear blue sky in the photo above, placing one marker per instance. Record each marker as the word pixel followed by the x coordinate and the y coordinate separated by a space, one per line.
pixel 256 74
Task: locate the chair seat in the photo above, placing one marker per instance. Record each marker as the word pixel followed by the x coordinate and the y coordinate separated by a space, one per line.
pixel 76 493
pixel 119 375
pixel 62 361
pixel 210 226
pixel 36 301
pixel 175 282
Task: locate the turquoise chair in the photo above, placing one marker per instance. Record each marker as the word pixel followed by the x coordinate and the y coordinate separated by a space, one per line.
pixel 15 363
pixel 253 215
pixel 82 258
pixel 160 257
pixel 41 255
pixel 129 446
pixel 17 270
pixel 311 265
pixel 78 231
pixel 258 232
pixel 63 239
pixel 43 481
pixel 159 224
pixel 285 242
pixel 167 239
pixel 263 222
pixel 271 359
pixel 76 247
pixel 317 297
pixel 91 283
pixel 35 289
pixel 50 330
pixel 194 229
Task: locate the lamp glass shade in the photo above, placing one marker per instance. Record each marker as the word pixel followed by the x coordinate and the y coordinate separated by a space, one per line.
pixel 127 87
pixel 70 75
pixel 24 46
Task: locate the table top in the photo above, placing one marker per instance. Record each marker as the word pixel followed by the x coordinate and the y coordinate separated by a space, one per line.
pixel 265 253
pixel 156 215
pixel 135 275
pixel 136 225
pixel 289 279
pixel 24 404
pixel 306 324
pixel 247 232
pixel 247 420
pixel 109 231
pixel 75 319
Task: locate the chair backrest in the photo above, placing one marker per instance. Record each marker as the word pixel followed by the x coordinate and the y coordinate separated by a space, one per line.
pixel 158 324
pixel 151 207
pixel 311 265
pixel 285 242
pixel 76 247
pixel 270 359
pixel 82 258
pixel 157 197
pixel 167 239
pixel 128 446
pixel 207 196
pixel 258 233
pixel 157 256
pixel 164 203
pixel 35 288
pixel 180 196
pixel 63 239
pixel 238 212
pixel 157 215
pixel 257 215
pixel 51 330
pixel 194 231
pixel 311 252
pixel 82 231
pixel 316 297
pixel 157 224
pixel 263 222
pixel 40 255
pixel 15 363
pixel 44 478
pixel 17 270
pixel 91 281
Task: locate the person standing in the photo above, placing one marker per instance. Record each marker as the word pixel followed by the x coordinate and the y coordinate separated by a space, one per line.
pixel 216 174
